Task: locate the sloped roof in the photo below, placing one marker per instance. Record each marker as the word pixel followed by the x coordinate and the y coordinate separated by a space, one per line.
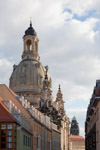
pixel 5 115
pixel 12 92
pixel 76 138
pixel 1 98
pixel 8 94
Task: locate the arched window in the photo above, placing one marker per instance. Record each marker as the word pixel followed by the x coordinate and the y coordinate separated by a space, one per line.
pixel 29 45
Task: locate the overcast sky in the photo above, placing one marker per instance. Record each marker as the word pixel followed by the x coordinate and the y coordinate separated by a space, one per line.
pixel 69 43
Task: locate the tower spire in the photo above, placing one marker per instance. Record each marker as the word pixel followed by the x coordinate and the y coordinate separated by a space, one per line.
pixel 59 94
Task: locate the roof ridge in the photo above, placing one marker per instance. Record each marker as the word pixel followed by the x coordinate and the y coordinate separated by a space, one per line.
pixel 12 92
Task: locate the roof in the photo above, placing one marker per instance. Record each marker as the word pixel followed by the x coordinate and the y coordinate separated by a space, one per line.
pixel 12 92
pixel 76 138
pixel 74 118
pixel 5 115
pixel 1 99
pixel 8 94
pixel 30 31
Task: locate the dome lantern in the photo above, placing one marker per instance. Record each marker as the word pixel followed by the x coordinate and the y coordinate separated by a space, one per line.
pixel 30 41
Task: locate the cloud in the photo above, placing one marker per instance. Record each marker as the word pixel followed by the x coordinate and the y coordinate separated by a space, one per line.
pixel 5 71
pixel 82 7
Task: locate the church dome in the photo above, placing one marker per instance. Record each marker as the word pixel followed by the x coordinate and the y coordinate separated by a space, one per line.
pixel 27 76
pixel 30 31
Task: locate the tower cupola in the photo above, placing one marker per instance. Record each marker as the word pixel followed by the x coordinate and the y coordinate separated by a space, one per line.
pixel 74 130
pixel 30 40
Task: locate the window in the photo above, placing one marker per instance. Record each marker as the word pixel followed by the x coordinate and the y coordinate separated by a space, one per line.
pixel 9 145
pixel 38 142
pixel 3 126
pixel 30 142
pixel 3 139
pixel 36 45
pixel 22 80
pixel 9 139
pixel 6 103
pixel 3 145
pixel 28 57
pixel 3 132
pixel 9 126
pixel 9 133
pixel 24 139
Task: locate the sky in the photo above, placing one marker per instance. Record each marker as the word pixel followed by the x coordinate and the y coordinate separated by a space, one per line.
pixel 69 43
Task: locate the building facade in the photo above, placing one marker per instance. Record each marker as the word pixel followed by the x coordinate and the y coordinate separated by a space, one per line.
pixel 8 126
pixel 77 142
pixel 92 130
pixel 32 130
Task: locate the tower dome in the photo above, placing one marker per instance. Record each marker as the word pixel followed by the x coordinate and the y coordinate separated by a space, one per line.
pixel 27 77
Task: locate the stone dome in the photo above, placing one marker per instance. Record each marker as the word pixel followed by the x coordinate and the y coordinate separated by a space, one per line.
pixel 27 76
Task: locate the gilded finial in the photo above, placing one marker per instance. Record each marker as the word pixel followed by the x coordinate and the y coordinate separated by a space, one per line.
pixel 30 20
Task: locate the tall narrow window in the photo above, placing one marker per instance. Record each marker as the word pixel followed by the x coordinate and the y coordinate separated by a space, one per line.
pixel 26 140
pixel 38 142
pixel 23 139
pixel 22 80
pixel 36 45
pixel 29 45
